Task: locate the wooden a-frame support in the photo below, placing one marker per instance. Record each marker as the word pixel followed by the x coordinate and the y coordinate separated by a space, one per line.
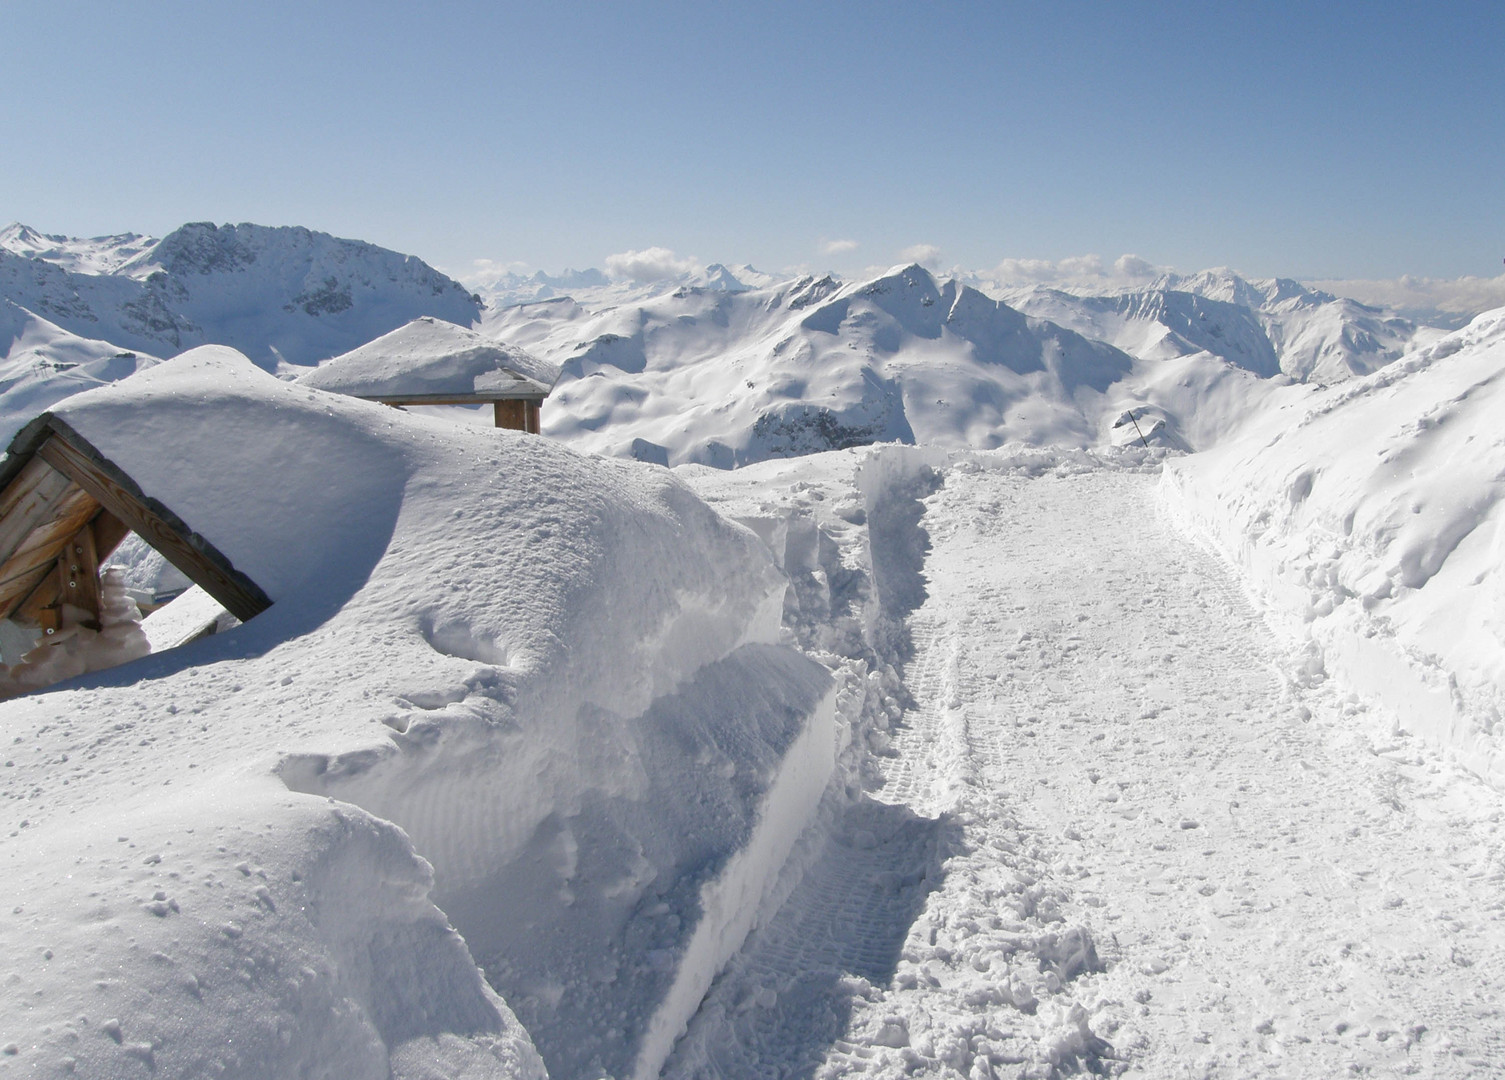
pixel 64 507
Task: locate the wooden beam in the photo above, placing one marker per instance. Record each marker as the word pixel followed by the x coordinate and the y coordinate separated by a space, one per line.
pixel 109 531
pixel 69 453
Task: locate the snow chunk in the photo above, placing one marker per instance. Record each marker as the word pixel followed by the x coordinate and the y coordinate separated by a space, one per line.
pixel 432 358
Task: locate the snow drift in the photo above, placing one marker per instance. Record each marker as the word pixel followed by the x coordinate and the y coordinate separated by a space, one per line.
pixel 537 689
pixel 1369 515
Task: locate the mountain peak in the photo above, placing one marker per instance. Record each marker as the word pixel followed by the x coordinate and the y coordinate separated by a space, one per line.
pixel 97 255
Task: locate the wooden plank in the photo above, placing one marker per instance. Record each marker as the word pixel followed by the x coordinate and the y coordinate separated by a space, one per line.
pixel 534 415
pixel 31 498
pixel 42 606
pixel 511 414
pixel 201 561
pixel 109 531
pixel 66 516
pixel 32 474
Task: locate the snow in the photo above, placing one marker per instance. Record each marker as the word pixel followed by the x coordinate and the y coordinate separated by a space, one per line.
pixel 432 357
pixel 1011 687
pixel 1105 824
pixel 560 717
pixel 43 363
pixel 280 295
pixel 731 378
pixel 99 255
pixel 1367 517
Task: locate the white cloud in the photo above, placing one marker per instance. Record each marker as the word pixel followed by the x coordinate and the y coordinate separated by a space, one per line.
pixel 1126 269
pixel 924 254
pixel 837 247
pixel 650 264
pixel 1132 266
pixel 1458 296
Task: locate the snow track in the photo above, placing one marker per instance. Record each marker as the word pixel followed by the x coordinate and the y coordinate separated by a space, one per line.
pixel 1120 831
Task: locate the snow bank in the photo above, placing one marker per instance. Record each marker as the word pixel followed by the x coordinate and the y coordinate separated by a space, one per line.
pixel 1368 516
pixel 541 690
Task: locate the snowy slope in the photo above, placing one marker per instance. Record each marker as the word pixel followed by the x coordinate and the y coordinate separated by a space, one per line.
pixel 1369 515
pixel 41 363
pixel 1268 326
pixel 1159 324
pixel 541 688
pixel 278 294
pixel 596 289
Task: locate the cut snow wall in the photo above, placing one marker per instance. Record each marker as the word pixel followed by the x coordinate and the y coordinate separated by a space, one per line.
pixel 1369 519
pixel 603 923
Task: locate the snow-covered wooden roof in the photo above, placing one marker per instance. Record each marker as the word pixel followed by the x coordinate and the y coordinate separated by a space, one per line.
pixel 433 362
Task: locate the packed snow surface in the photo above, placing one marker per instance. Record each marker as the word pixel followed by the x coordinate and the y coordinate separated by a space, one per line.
pixel 1108 826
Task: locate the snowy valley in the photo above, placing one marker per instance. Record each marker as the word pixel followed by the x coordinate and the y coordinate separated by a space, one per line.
pixel 913 676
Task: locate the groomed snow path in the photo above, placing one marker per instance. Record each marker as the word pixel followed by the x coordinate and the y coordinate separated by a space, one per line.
pixel 1113 835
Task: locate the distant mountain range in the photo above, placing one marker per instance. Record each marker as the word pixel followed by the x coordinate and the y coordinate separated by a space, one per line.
pixel 279 295
pixel 721 366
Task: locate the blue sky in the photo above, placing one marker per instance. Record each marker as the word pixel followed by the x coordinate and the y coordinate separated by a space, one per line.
pixel 1315 140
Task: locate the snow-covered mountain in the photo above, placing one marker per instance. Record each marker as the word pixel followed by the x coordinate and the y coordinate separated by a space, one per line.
pixel 1267 326
pixel 726 378
pixel 727 365
pixel 729 378
pixel 277 294
pixel 99 255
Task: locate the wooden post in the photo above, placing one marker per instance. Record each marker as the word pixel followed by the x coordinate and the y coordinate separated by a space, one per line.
pixel 79 563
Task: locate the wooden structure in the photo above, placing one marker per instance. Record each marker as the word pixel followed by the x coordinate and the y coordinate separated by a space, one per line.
pixel 64 507
pixel 518 413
